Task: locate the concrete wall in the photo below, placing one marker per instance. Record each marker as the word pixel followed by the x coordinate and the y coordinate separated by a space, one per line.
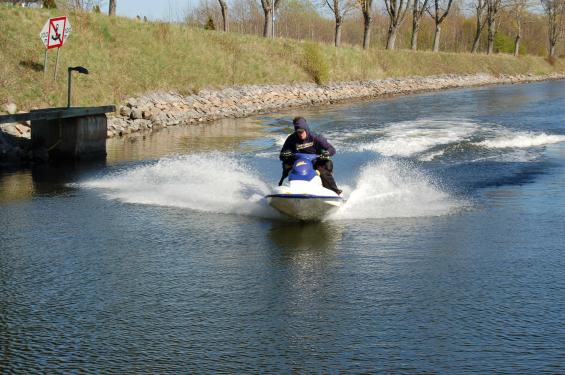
pixel 77 138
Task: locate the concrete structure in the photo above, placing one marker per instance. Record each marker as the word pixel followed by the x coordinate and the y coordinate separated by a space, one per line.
pixel 76 133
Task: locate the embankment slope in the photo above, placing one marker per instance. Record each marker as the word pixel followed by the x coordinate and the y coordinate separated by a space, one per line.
pixel 130 57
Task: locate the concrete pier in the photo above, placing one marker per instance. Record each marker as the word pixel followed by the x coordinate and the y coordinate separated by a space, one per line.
pixel 76 133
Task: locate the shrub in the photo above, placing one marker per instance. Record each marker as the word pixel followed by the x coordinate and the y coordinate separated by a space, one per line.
pixel 49 4
pixel 315 64
pixel 505 44
pixel 210 24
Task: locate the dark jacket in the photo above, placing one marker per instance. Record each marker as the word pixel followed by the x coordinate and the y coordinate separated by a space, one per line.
pixel 313 144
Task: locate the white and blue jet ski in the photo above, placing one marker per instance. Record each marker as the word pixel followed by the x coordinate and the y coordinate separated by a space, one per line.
pixel 304 198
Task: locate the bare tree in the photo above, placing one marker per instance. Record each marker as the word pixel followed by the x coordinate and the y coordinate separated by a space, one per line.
pixel 339 8
pixel 493 10
pixel 224 8
pixel 441 10
pixel 418 9
pixel 480 7
pixel 555 12
pixel 519 10
pixel 112 8
pixel 396 10
pixel 269 8
pixel 366 8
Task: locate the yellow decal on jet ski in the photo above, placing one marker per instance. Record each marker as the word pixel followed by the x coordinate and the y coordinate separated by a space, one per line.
pixel 300 163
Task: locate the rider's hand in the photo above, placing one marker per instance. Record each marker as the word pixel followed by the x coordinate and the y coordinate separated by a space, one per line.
pixel 287 155
pixel 325 155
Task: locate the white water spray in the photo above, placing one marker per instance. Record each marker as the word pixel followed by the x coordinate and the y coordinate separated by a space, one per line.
pixel 218 183
pixel 202 182
pixel 392 188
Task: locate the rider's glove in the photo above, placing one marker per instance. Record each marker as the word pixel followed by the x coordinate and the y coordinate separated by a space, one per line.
pixel 286 155
pixel 324 155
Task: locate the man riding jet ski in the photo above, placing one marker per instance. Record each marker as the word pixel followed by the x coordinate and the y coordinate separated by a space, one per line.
pixel 305 142
pixel 311 193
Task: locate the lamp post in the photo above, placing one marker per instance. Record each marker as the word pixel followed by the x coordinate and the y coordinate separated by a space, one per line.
pixel 79 69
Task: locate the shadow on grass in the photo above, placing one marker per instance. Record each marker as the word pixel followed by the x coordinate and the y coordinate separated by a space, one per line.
pixel 32 65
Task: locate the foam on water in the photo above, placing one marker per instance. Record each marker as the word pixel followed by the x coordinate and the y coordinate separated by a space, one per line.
pixel 409 138
pixel 521 140
pixel 393 188
pixel 202 182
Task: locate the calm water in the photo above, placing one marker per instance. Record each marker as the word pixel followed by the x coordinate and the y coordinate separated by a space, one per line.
pixel 447 258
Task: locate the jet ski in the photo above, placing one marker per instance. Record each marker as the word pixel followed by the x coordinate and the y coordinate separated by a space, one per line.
pixel 304 198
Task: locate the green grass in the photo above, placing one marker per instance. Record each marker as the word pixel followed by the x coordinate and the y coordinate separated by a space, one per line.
pixel 128 57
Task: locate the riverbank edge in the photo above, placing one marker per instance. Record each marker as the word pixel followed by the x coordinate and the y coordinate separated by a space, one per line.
pixel 162 109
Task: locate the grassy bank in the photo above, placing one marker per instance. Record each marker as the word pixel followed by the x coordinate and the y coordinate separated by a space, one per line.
pixel 128 57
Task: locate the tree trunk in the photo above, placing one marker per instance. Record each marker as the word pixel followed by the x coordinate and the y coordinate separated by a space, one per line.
pixel 224 8
pixel 391 40
pixel 415 26
pixel 517 45
pixel 366 30
pixel 552 50
pixel 437 34
pixel 268 25
pixel 337 32
pixel 490 39
pixel 112 8
pixel 415 30
pixel 477 38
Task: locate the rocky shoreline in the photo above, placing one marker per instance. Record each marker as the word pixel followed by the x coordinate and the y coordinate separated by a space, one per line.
pixel 164 109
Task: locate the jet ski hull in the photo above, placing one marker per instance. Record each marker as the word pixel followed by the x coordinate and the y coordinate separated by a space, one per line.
pixel 305 207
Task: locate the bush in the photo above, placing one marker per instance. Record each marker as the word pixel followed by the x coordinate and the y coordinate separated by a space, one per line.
pixel 315 64
pixel 505 44
pixel 210 24
pixel 49 4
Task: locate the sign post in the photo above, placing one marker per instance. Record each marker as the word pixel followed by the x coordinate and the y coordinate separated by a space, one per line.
pixel 53 35
pixel 45 63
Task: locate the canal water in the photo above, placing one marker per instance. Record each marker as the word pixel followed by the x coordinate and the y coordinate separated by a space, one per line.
pixel 448 256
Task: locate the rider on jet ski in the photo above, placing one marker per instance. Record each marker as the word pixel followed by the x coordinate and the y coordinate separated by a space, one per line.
pixel 306 142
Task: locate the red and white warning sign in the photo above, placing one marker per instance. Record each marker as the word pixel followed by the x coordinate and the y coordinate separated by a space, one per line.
pixel 55 32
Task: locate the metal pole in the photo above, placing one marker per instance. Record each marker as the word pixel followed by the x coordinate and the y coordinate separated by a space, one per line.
pixel 56 64
pixel 69 90
pixel 45 63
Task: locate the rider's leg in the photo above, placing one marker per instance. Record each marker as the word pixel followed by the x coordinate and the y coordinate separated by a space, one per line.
pixel 326 168
pixel 286 170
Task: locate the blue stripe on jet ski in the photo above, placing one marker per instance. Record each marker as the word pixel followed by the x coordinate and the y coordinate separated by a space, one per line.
pixel 302 196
